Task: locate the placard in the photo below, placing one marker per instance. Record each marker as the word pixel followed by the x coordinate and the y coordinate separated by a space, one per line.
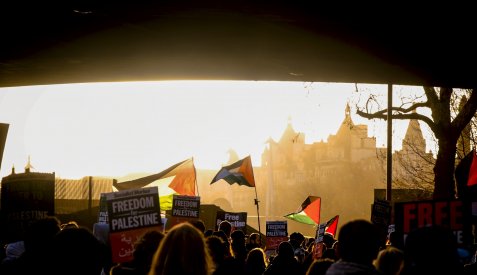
pixel 131 213
pixel 447 213
pixel 276 232
pixel 238 220
pixel 184 208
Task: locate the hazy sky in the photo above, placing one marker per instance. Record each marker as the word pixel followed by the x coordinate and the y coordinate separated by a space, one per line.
pixel 113 129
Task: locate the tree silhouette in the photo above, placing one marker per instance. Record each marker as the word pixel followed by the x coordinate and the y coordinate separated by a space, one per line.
pixel 446 123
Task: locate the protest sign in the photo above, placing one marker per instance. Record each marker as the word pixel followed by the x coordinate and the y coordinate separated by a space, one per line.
pixel 131 213
pixel 184 208
pixel 320 232
pixel 447 213
pixel 319 244
pixel 238 220
pixel 103 209
pixel 25 198
pixel 277 232
pixel 381 213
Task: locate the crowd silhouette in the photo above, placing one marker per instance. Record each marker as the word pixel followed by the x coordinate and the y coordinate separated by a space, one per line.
pixel 49 247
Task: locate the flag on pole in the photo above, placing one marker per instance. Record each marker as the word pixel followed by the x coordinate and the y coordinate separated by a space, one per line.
pixel 240 172
pixel 309 212
pixel 182 178
pixel 472 179
pixel 332 225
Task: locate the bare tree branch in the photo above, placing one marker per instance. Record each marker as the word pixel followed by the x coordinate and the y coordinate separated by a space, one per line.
pixel 446 121
pixel 466 113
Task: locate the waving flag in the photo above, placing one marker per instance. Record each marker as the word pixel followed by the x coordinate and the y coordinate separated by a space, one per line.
pixel 472 179
pixel 183 181
pixel 240 172
pixel 332 225
pixel 309 212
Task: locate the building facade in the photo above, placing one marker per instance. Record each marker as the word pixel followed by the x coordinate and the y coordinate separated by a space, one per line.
pixel 344 171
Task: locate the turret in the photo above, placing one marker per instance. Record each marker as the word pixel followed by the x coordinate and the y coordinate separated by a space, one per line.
pixel 28 166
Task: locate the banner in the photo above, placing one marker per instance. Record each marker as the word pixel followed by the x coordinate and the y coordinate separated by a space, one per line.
pixel 320 233
pixel 184 208
pixel 319 244
pixel 381 217
pixel 238 220
pixel 131 213
pixel 276 232
pixel 25 198
pixel 103 210
pixel 448 213
pixel 381 213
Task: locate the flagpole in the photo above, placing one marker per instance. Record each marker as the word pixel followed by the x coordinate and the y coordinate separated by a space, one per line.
pixel 256 203
pixel 195 178
pixel 258 216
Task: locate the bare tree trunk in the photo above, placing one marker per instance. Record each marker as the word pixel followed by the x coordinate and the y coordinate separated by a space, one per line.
pixel 444 185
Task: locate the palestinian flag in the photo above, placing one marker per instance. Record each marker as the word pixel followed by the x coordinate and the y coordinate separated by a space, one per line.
pixel 177 179
pixel 332 225
pixel 240 172
pixel 309 212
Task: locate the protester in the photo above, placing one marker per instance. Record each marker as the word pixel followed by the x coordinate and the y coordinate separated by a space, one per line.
pixel 284 262
pixel 76 251
pixel 70 224
pixel 390 261
pixel 253 241
pixel 296 240
pixel 144 250
pixel 256 262
pixel 226 227
pixel 471 268
pixel 13 251
pixel 217 250
pixel 38 240
pixel 319 267
pixel 329 240
pixel 183 251
pixel 221 234
pixel 431 250
pixel 199 224
pixel 239 250
pixel 358 246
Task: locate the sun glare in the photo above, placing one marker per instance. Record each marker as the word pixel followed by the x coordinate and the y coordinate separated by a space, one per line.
pixel 113 129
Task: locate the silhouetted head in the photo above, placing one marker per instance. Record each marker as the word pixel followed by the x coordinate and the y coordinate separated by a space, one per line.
pixel 182 251
pixel 226 226
pixel 237 235
pixel 199 224
pixel 329 240
pixel 146 247
pixel 77 251
pixel 216 248
pixel 40 233
pixel 319 267
pixel 256 260
pixel 208 233
pixel 221 234
pixel 296 239
pixel 285 250
pixel 390 261
pixel 431 248
pixel 359 242
pixel 254 238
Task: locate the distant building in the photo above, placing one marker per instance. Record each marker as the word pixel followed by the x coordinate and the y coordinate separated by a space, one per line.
pixel 412 165
pixel 344 172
